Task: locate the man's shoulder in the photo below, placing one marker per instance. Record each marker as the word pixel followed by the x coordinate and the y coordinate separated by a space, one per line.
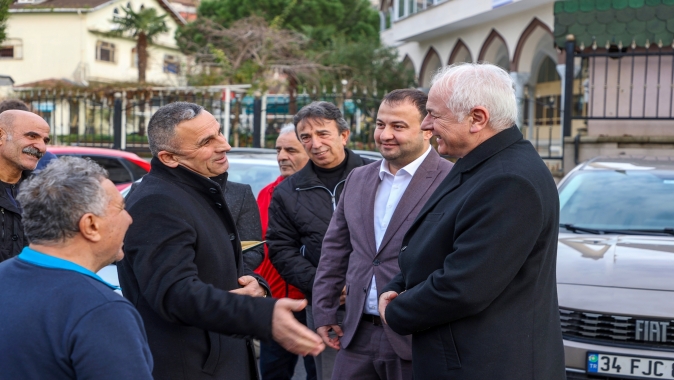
pixel 366 171
pixel 237 187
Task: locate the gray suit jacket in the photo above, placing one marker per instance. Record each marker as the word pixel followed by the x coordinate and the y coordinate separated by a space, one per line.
pixel 349 255
pixel 242 205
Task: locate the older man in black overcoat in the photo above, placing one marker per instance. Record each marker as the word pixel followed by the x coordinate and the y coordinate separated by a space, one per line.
pixel 477 288
pixel 183 268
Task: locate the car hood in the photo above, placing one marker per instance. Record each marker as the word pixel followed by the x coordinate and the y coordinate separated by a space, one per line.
pixel 621 261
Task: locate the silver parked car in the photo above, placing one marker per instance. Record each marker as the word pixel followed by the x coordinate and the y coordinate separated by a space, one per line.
pixel 615 269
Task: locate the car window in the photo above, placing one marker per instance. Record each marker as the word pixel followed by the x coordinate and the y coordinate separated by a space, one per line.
pixel 137 171
pixel 117 172
pixel 255 175
pixel 607 199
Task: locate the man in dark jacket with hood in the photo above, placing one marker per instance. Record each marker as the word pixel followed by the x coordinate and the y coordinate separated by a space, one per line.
pixel 183 269
pixel 302 205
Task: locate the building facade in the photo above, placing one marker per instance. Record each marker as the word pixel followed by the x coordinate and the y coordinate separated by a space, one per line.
pixel 68 40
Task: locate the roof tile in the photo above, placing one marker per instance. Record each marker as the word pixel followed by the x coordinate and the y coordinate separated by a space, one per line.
pixel 571 6
pixel 623 21
pixel 664 12
pixel 636 27
pixel 603 5
pixel 587 5
pixel 619 4
pixel 656 26
pixel 645 13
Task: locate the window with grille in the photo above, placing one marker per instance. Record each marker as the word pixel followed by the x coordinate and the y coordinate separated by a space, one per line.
pixel 171 64
pixel 105 51
pixel 12 48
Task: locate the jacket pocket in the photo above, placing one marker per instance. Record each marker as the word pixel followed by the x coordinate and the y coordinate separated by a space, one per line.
pixel 449 348
pixel 433 216
pixel 213 355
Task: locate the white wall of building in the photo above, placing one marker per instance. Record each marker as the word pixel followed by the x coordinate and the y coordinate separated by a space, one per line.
pixel 57 45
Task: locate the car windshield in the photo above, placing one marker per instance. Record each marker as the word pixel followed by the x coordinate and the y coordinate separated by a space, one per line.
pixel 618 200
pixel 255 174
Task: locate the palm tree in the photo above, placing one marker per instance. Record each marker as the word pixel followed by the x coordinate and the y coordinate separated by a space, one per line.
pixel 144 26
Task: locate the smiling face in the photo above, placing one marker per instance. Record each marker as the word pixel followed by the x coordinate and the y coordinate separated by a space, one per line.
pixel 398 134
pixel 114 224
pixel 199 146
pixel 23 140
pixel 323 142
pixel 290 154
pixel 454 138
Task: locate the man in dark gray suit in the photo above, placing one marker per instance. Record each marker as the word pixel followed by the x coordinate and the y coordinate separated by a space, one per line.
pixel 241 203
pixel 477 287
pixel 361 246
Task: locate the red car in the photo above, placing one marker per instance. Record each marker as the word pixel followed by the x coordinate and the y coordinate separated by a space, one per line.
pixel 123 167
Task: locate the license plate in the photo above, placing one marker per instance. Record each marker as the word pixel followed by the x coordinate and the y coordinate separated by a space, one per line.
pixel 630 366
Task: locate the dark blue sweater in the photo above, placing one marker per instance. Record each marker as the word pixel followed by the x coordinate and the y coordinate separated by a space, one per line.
pixel 61 324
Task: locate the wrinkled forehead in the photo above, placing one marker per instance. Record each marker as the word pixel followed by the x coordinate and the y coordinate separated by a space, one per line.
pixel 313 125
pixel 288 140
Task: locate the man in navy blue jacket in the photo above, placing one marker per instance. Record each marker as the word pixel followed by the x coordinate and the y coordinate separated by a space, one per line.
pixel 58 319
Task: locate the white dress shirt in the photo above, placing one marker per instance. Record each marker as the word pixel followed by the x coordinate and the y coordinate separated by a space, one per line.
pixel 390 190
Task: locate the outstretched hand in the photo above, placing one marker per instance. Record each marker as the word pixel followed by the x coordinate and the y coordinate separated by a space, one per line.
pixel 291 334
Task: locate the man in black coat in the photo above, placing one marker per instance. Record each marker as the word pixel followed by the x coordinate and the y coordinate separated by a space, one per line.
pixel 183 268
pixel 243 207
pixel 23 141
pixel 302 205
pixel 477 287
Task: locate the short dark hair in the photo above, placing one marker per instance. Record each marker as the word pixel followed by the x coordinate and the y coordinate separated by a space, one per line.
pixel 322 110
pixel 161 128
pixel 13 104
pixel 416 97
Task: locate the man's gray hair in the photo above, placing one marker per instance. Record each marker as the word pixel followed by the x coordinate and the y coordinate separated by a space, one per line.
pixel 162 125
pixel 288 128
pixel 322 110
pixel 465 86
pixel 55 200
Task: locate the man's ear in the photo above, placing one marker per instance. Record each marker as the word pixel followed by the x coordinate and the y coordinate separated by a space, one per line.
pixel 90 227
pixel 479 119
pixel 345 136
pixel 167 158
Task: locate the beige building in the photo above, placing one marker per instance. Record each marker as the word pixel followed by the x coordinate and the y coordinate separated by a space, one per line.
pixel 66 40
pixel 516 35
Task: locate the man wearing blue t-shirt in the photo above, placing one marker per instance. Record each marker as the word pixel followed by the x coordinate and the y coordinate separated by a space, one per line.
pixel 58 319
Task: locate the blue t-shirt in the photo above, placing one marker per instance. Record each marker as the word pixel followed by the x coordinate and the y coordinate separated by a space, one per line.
pixel 61 321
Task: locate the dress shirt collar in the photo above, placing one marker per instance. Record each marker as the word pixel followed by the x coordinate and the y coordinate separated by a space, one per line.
pixel 410 168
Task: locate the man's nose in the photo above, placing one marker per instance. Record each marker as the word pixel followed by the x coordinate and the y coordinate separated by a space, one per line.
pixel 427 123
pixel 386 133
pixel 224 145
pixel 316 142
pixel 281 156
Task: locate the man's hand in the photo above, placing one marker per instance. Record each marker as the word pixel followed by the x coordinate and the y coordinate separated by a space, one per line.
pixel 291 334
pixel 384 300
pixel 324 333
pixel 249 287
pixel 342 297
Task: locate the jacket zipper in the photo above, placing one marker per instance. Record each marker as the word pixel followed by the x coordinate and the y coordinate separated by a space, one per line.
pixel 332 193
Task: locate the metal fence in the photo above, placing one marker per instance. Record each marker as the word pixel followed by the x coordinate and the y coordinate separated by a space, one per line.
pixel 616 84
pixel 118 119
